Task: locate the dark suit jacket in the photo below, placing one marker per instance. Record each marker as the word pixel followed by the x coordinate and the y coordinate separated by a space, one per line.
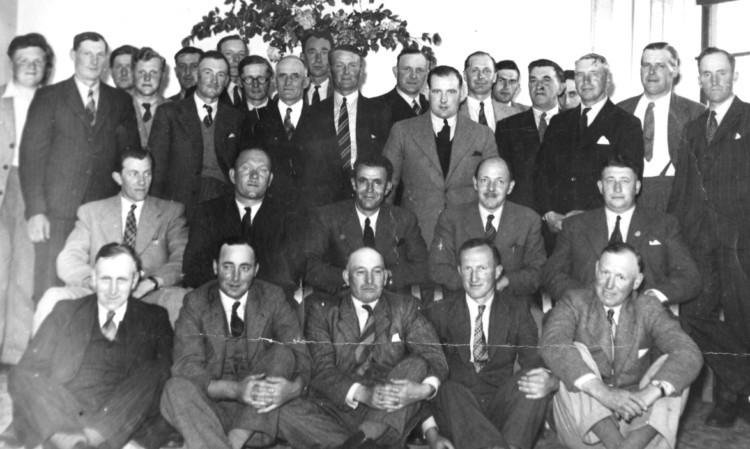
pixel 518 143
pixel 400 331
pixel 321 175
pixel 334 233
pixel 64 161
pixel 669 266
pixel 400 109
pixel 644 327
pixel 518 239
pixel 176 143
pixel 201 332
pixel 568 165
pixel 512 333
pixel 58 348
pixel 218 219
pixel 329 91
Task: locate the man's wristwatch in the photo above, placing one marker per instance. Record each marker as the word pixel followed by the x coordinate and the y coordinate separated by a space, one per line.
pixel 156 283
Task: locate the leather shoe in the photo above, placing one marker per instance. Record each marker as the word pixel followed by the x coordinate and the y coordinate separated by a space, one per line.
pixel 723 415
pixel 743 408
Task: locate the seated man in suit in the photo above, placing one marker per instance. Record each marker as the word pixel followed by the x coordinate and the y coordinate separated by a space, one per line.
pixel 249 213
pixel 154 228
pixel 339 229
pixel 93 374
pixel 239 364
pixel 480 75
pixel 483 403
pixel 376 358
pixel 514 230
pixel 670 272
pixel 602 342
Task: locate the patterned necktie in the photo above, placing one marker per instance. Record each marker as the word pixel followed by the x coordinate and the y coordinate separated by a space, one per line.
pixel 480 344
pixel 91 108
pixel 247 225
pixel 109 330
pixel 316 96
pixel 365 343
pixel 147 114
pixel 711 127
pixel 612 330
pixel 208 119
pixel 542 125
pixel 583 121
pixel 648 132
pixel 237 326
pixel 616 236
pixel 482 117
pixel 131 228
pixel 368 237
pixel 345 143
pixel 489 229
pixel 415 107
pixel 288 126
pixel 237 100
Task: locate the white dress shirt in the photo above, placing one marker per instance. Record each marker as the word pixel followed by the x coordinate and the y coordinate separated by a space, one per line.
pixel 594 110
pixel 202 112
pixel 296 111
pixel 253 210
pixel 125 210
pixel 362 217
pixel 547 118
pixel 117 319
pixel 484 213
pixel 489 111
pixel 322 90
pixel 722 109
pixel 408 98
pixel 660 157
pixel 21 97
pixel 625 218
pixel 351 109
pixel 473 312
pixel 437 124
pixel 228 303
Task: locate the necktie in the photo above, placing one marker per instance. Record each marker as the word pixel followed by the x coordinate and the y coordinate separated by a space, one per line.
pixel 368 238
pixel 482 117
pixel 208 119
pixel 415 107
pixel 288 125
pixel 147 114
pixel 131 229
pixel 480 344
pixel 345 144
pixel 583 121
pixel 616 236
pixel 91 108
pixel 444 147
pixel 237 326
pixel 711 127
pixel 247 225
pixel 237 100
pixel 612 330
pixel 366 340
pixel 648 132
pixel 542 125
pixel 489 229
pixel 316 96
pixel 109 330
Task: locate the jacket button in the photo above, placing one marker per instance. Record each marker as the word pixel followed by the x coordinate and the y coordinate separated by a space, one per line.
pixel 5 167
pixel 573 179
pixel 12 145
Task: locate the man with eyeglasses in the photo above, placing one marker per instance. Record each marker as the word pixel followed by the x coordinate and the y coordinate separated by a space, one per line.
pixel 255 76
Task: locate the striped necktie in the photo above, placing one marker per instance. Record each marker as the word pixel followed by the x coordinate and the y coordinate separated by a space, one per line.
pixel 131 228
pixel 489 230
pixel 480 343
pixel 345 143
pixel 365 344
pixel 109 329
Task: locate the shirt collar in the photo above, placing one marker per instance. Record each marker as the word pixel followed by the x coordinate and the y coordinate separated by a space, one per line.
pixel 437 122
pixel 83 89
pixel 474 307
pixel 407 98
pixel 474 103
pixel 722 109
pixel 296 107
pixel 551 113
pixel 358 304
pixel 350 99
pixel 14 90
pixel 228 303
pixel 594 109
pixel 126 203
pixel 617 310
pixel 119 314
pixel 262 105
pixel 373 218
pixel 253 209
pixel 484 213
pixel 199 103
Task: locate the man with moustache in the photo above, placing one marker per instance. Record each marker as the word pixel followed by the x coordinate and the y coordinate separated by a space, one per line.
pixel 316 46
pixel 255 76
pixel 186 70
pixel 405 100
pixel 121 62
pixel 480 75
pixel 148 68
pixel 569 99
pixel 234 50
pixel 508 85
pixel 194 141
pixel 520 136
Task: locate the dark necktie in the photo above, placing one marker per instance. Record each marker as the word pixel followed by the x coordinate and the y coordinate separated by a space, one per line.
pixel 208 119
pixel 147 114
pixel 489 229
pixel 612 330
pixel 368 237
pixel 316 96
pixel 648 132
pixel 109 329
pixel 711 127
pixel 91 108
pixel 616 236
pixel 542 125
pixel 247 225
pixel 583 121
pixel 345 143
pixel 288 125
pixel 131 228
pixel 237 100
pixel 365 344
pixel 237 326
pixel 482 117
pixel 444 147
pixel 415 107
pixel 480 343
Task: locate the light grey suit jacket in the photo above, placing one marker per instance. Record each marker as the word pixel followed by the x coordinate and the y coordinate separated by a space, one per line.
pixel 412 149
pixel 7 140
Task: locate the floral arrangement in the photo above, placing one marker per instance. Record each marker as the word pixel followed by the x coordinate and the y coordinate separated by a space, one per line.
pixel 284 23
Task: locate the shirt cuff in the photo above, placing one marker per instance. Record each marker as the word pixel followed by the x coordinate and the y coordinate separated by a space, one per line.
pixel 428 424
pixel 659 295
pixel 581 381
pixel 434 382
pixel 669 389
pixel 350 395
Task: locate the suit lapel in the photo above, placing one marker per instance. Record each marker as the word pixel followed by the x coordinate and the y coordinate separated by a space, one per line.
pixel 675 122
pixel 473 220
pixel 351 229
pixel 507 226
pixel 385 228
pixel 135 333
pixel 255 321
pixel 103 107
pixel 73 98
pixel 460 328
pixel 462 143
pixel 728 123
pixel 191 124
pixel 216 319
pixel 638 230
pixel 596 129
pixel 598 326
pixel 499 322
pixel 348 328
pixel 382 317
pixel 112 219
pixel 598 235
pixel 625 343
pixel 147 225
pixel 424 138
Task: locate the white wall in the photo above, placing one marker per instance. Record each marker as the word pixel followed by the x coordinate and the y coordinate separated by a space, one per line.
pixel 508 29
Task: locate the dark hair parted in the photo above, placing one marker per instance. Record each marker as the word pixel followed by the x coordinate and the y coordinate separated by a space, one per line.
pixel 478 243
pixel 123 50
pixel 373 160
pixel 115 249
pixel 621 248
pixel 444 71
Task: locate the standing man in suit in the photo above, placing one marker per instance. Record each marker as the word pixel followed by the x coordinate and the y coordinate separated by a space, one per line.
pixel 32 60
pixel 405 100
pixel 435 155
pixel 513 229
pixel 93 374
pixel 194 141
pixel 508 85
pixel 601 342
pixel 154 228
pixel 483 404
pixel 234 49
pixel 148 68
pixel 73 134
pixel 255 76
pixel 186 70
pixel 480 75
pixel 376 357
pixel 316 46
pixel 339 229
pixel 341 128
pixel 709 197
pixel 576 144
pixel 519 136
pixel 121 62
pixel 569 99
pixel 663 115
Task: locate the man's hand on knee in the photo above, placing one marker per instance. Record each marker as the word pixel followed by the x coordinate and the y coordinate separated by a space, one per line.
pixel 277 391
pixel 400 393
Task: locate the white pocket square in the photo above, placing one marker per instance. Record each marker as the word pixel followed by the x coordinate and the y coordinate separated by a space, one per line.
pixel 642 352
pixel 737 136
pixel 602 141
pixel 231 136
pixel 396 338
pixel 654 242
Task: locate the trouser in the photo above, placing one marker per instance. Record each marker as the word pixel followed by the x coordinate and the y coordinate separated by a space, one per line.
pixel 45 255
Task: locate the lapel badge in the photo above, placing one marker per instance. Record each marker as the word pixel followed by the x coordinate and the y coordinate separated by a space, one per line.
pixel 637 233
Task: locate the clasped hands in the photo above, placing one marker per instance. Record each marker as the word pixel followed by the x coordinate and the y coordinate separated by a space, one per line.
pixel 394 395
pixel 267 393
pixel 628 405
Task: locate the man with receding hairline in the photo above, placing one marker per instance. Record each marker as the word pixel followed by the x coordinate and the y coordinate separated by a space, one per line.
pixel 480 75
